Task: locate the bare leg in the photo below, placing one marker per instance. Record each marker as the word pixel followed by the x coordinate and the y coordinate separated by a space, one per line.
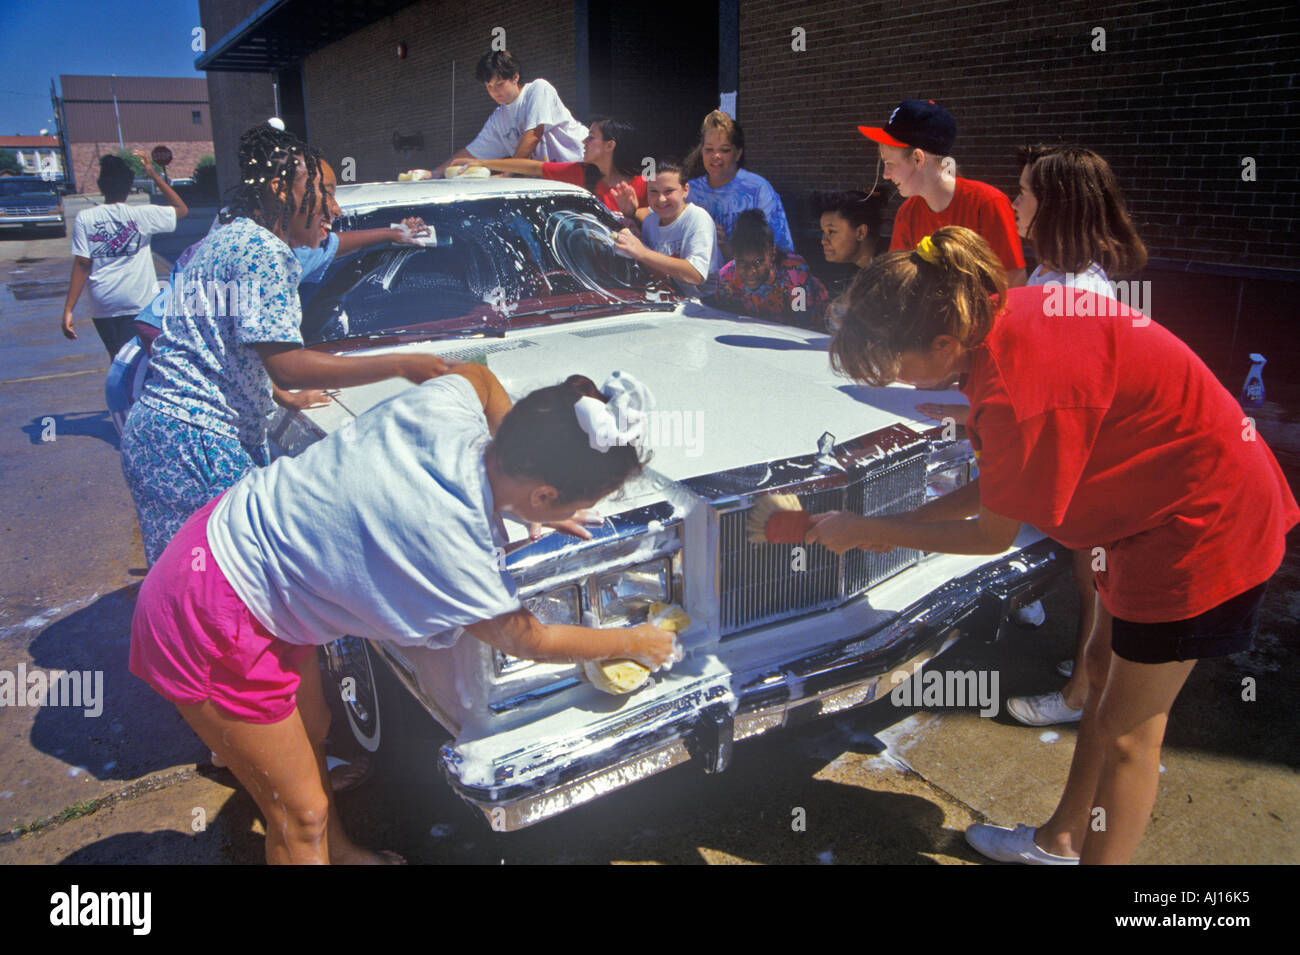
pixel 1075 690
pixel 276 764
pixel 316 717
pixel 1063 833
pixel 1132 716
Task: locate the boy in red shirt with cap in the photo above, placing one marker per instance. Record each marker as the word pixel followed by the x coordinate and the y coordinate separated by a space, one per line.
pixel 914 146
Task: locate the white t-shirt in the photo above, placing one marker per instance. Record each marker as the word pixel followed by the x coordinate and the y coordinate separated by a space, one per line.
pixel 1093 279
pixel 691 236
pixel 115 237
pixel 536 105
pixel 384 530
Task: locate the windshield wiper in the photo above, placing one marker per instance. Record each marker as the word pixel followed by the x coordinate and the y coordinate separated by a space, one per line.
pixel 487 331
pixel 604 306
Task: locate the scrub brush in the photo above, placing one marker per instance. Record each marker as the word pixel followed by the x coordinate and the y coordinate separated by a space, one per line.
pixel 777 519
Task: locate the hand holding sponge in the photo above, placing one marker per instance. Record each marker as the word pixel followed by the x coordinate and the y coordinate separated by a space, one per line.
pixel 618 677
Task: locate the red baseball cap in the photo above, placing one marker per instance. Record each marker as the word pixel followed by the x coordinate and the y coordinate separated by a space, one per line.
pixel 919 123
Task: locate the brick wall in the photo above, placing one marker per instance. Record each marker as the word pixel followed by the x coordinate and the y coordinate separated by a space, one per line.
pixel 85 159
pixel 239 100
pixel 236 100
pixel 1180 95
pixel 359 94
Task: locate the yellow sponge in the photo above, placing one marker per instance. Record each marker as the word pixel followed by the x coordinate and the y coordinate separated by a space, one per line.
pixel 669 617
pixel 624 676
pixel 616 676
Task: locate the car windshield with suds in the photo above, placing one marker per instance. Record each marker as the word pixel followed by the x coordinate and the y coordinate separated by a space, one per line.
pixel 488 263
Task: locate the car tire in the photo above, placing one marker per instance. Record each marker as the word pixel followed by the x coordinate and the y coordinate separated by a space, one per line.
pixel 367 701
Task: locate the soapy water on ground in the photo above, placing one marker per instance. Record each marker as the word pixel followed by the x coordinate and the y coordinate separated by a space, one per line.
pixel 1049 736
pixel 889 745
pixel 41 620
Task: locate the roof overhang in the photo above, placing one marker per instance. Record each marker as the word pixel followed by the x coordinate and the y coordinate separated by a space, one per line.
pixel 281 33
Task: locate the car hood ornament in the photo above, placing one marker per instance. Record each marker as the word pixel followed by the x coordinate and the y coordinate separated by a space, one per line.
pixel 826 452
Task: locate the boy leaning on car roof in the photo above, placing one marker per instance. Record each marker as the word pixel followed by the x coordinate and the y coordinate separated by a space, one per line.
pixel 530 121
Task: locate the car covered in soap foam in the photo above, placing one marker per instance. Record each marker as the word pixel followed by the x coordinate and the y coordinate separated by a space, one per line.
pixel 522 276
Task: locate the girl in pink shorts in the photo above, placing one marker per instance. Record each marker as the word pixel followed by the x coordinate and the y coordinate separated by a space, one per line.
pixel 389 532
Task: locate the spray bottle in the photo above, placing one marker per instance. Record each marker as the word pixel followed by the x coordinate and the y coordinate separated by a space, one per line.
pixel 1252 392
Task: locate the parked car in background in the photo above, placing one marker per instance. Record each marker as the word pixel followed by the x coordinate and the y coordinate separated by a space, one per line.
pixel 522 276
pixel 31 203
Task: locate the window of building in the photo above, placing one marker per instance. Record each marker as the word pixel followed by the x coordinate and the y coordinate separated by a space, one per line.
pixel 196 117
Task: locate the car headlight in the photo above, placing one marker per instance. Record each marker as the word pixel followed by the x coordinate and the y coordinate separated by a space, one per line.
pixel 949 468
pixel 562 606
pixel 624 595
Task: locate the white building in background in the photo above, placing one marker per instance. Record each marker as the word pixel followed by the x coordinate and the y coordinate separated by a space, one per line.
pixel 39 155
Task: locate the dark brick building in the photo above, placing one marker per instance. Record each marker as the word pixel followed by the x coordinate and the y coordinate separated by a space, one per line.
pixel 146 111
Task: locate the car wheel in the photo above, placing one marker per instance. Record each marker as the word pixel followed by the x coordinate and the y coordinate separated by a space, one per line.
pixel 352 671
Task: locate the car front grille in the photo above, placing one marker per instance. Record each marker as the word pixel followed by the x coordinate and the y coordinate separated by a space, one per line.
pixel 759 583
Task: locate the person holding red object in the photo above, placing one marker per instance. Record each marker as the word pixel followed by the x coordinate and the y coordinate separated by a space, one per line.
pixel 610 168
pixel 1107 433
pixel 914 146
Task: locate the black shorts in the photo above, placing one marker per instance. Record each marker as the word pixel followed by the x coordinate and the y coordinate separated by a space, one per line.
pixel 1228 628
pixel 115 332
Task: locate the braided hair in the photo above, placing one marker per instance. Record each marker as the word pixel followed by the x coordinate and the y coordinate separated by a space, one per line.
pixel 267 153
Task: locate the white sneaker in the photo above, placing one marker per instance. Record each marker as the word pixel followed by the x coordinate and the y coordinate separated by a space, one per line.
pixel 1065 668
pixel 1044 710
pixel 1031 615
pixel 1012 845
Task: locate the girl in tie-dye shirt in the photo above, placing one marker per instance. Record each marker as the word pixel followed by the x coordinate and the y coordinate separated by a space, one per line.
pixel 768 282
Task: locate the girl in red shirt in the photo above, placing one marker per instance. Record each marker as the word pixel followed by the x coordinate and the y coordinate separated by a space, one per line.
pixel 1105 433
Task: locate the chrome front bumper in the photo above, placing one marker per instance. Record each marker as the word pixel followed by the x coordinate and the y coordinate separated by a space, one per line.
pixel 711 714
pixel 30 219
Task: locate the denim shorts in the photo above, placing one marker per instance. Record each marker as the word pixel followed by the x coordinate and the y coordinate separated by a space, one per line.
pixel 1228 628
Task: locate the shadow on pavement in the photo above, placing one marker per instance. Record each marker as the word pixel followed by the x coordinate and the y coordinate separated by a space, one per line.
pixel 137 732
pixel 77 424
pixel 227 838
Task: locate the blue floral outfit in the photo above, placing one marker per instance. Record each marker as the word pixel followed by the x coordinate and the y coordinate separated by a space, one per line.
pixel 200 423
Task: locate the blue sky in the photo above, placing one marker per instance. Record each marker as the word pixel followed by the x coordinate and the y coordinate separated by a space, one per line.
pixel 40 39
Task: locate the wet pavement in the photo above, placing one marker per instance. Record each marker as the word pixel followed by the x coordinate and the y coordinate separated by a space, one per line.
pixel 888 784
